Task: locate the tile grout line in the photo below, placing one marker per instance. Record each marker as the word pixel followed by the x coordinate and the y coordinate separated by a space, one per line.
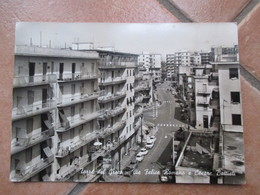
pixel 175 10
pixel 254 82
pixel 77 188
pixel 245 11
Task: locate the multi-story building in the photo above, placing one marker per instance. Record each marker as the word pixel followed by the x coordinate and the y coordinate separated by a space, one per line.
pixel 148 60
pixel 54 113
pixel 170 67
pixel 120 119
pixel 156 74
pixel 205 58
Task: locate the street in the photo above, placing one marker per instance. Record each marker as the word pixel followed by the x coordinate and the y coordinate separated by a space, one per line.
pixel 163 118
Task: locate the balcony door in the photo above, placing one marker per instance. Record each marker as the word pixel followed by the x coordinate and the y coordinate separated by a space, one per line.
pixel 31 71
pixel 44 71
pixel 61 69
pixel 205 121
pixel 44 97
pixel 73 70
pixel 30 100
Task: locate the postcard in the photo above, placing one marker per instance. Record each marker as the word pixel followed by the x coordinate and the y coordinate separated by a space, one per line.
pixel 118 102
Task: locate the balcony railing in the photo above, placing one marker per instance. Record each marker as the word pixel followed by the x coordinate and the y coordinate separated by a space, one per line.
pixel 214 103
pixel 30 169
pixel 113 81
pixel 66 77
pixel 109 130
pixel 33 109
pixel 65 150
pixel 140 87
pixel 22 143
pixel 139 99
pixel 203 102
pixel 115 64
pixel 75 99
pixel 74 122
pixel 137 125
pixel 107 97
pixel 111 112
pixel 23 81
pixel 138 111
pixel 204 91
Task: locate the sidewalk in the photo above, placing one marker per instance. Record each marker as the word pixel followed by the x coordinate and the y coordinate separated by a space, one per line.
pixel 127 158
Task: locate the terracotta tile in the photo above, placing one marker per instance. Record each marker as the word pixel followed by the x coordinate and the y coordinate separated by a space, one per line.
pixel 249 41
pixel 251 101
pixel 211 10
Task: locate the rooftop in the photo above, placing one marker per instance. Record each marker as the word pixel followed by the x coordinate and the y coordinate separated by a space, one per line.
pixel 233 152
pixel 197 153
pixel 23 50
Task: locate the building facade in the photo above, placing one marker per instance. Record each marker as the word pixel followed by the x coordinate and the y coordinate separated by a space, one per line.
pixel 74 114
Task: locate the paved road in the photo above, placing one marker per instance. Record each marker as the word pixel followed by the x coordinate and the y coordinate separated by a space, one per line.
pixel 166 124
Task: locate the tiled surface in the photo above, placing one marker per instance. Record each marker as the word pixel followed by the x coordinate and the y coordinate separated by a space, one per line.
pixel 211 10
pixel 249 41
pixel 130 11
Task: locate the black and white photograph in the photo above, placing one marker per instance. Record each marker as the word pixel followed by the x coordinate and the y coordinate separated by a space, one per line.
pixel 127 102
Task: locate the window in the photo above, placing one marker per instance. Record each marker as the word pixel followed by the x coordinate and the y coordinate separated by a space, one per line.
pixel 233 73
pixel 28 155
pixel 73 89
pixel 236 119
pixel 235 97
pixel 71 133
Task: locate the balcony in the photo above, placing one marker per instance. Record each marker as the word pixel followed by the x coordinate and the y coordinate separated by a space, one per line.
pixel 204 91
pixel 113 81
pixel 138 76
pixel 26 81
pixel 74 122
pixel 68 77
pixel 139 99
pixel 30 169
pixel 137 125
pixel 116 64
pixel 25 142
pixel 203 102
pixel 111 113
pixel 138 111
pixel 78 164
pixel 108 97
pixel 214 103
pixel 74 145
pixel 75 99
pixel 147 97
pixel 109 130
pixel 141 87
pixel 33 109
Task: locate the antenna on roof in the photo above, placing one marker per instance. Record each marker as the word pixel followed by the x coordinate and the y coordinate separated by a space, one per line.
pixel 40 38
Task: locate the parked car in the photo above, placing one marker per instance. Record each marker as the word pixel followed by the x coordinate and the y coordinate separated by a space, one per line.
pixel 139 157
pixel 133 163
pixel 128 171
pixel 143 151
pixel 152 138
pixel 149 144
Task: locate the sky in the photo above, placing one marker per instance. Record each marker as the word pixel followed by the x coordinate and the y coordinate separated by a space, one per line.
pixel 162 38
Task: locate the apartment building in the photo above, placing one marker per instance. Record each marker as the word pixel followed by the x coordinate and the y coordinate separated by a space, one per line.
pixel 205 58
pixel 148 60
pixel 170 67
pixel 54 112
pixel 156 74
pixel 120 120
